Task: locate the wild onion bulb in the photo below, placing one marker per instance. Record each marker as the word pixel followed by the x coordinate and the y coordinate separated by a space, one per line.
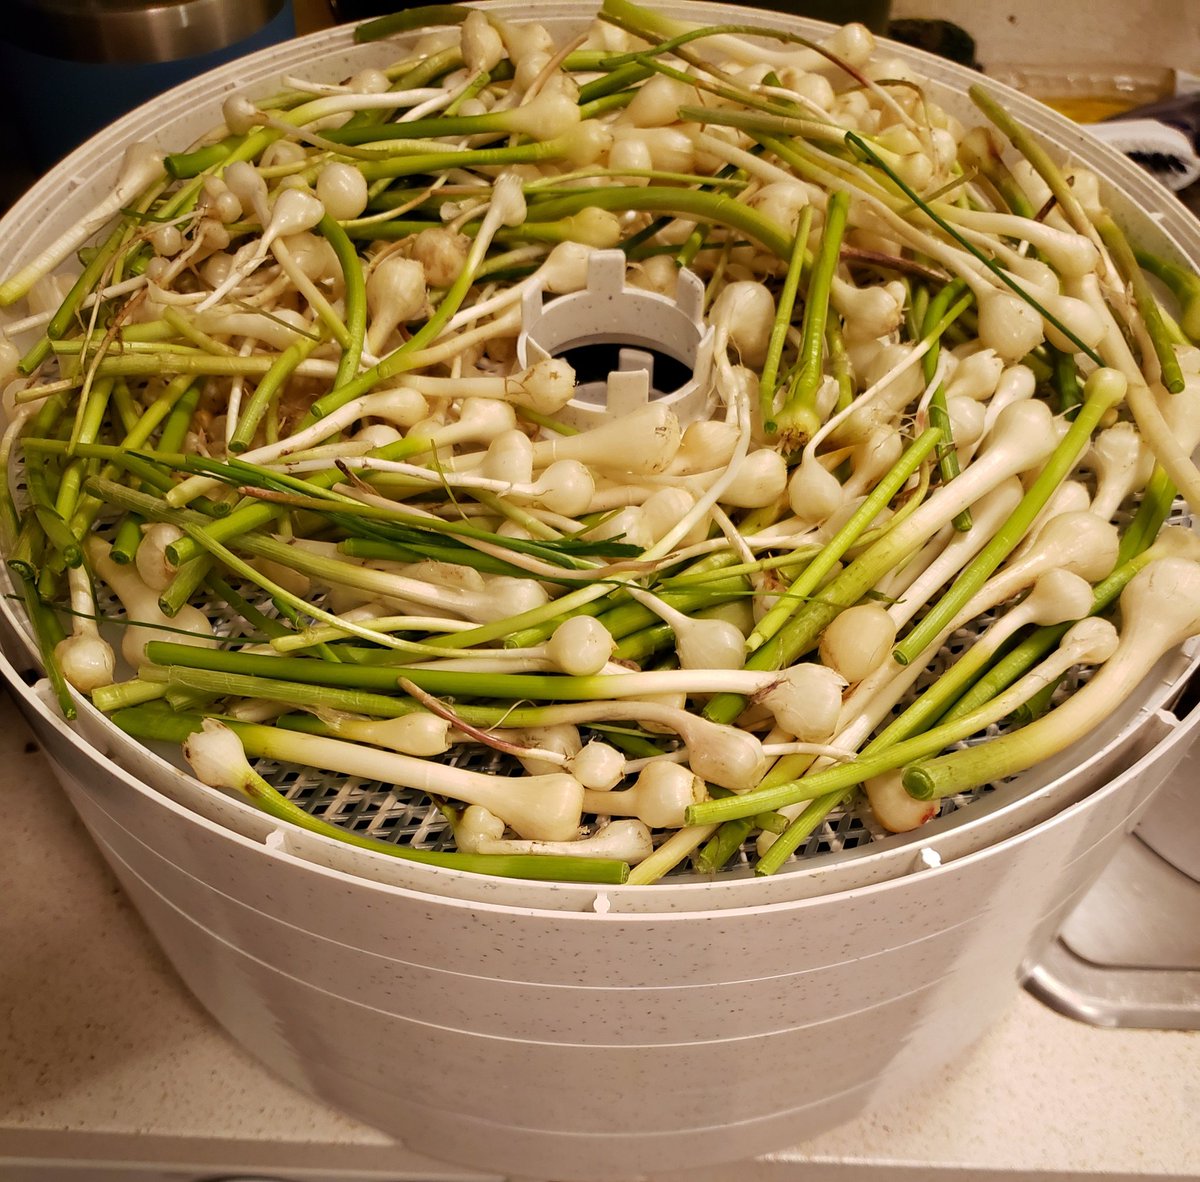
pixel 814 493
pixel 1122 464
pixel 396 294
pixel 85 657
pixel 706 444
pixel 482 46
pixel 580 646
pixel 418 733
pixel 479 832
pixel 549 748
pixel 893 807
pixel 806 701
pixel 141 607
pixel 871 460
pixel 657 103
pixel 976 375
pixel 341 190
pixel 858 641
pixel 150 559
pixel 724 755
pixel 869 312
pixel 1008 325
pixel 542 808
pixel 700 642
pixel 597 766
pixel 659 797
pixel 643 442
pixel 744 312
pixel 1079 542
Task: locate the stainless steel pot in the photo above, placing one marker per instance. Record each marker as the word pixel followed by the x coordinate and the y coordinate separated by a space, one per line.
pixel 131 31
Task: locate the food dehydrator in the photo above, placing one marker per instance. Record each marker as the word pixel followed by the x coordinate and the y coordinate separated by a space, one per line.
pixel 575 1032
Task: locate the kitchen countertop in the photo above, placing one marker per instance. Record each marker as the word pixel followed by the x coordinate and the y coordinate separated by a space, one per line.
pixel 105 1057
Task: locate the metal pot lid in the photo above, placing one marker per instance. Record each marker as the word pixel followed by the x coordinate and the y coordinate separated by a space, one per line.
pixel 130 31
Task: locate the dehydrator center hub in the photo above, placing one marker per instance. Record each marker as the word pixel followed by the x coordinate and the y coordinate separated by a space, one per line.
pixel 640 323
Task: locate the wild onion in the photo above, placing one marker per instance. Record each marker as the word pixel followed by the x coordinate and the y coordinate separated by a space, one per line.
pixel 1158 612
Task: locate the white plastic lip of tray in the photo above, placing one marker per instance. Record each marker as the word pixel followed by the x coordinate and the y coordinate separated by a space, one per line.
pixel 189 110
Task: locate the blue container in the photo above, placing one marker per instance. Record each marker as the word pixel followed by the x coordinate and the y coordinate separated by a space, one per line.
pixel 70 67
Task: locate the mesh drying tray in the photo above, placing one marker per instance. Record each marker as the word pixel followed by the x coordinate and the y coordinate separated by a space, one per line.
pixel 847 851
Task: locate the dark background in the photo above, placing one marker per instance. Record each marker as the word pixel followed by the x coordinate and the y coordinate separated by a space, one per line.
pixel 23 163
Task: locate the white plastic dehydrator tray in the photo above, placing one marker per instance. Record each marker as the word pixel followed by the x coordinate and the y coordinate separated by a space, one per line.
pixel 583 1033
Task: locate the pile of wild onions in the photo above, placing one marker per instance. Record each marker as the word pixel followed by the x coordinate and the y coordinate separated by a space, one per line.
pixel 279 392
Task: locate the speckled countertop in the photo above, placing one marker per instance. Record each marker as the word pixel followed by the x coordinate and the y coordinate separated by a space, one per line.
pixel 105 1057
